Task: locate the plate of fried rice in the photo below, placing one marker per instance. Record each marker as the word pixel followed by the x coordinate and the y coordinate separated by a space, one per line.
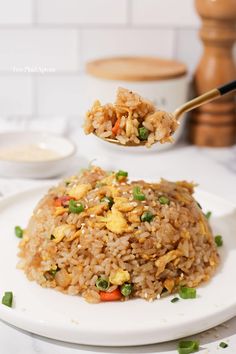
pixel 102 260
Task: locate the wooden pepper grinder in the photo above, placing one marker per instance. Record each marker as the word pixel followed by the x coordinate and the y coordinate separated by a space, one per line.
pixel 214 124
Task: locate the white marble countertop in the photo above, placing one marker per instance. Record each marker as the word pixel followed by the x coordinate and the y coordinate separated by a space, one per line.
pixel 213 169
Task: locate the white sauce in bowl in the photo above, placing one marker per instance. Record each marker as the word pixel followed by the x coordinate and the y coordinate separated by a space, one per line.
pixel 28 153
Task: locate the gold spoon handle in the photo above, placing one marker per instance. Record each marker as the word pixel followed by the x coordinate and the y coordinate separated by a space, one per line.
pixel 205 98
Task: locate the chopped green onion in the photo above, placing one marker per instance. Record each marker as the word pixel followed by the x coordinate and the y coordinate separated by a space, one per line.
pixel 52 237
pixel 75 206
pixel 102 284
pixel 218 240
pixel 53 272
pixel 164 200
pixel 188 346
pixel 126 289
pixel 143 133
pixel 108 200
pixel 147 216
pixel 199 205
pixel 223 345
pixel 67 183
pixel 121 175
pixel 208 215
pixel 7 298
pixel 18 231
pixel 137 194
pixel 175 299
pixel 187 293
pixel 50 274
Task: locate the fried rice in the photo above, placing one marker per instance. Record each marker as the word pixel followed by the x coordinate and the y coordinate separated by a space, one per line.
pixel 97 228
pixel 131 119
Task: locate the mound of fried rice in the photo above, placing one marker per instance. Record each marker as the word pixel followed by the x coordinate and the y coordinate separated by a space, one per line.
pixel 70 251
pixel 123 119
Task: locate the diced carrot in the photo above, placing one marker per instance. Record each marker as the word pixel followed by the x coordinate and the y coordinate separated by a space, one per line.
pixel 116 127
pixel 66 198
pixel 114 295
pixel 62 200
pixel 57 202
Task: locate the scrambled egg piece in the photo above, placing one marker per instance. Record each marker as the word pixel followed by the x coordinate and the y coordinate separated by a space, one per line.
pixel 79 191
pixel 108 179
pixel 123 204
pixel 119 277
pixel 163 260
pixel 185 234
pixel 60 211
pixel 134 215
pixel 116 222
pixel 97 209
pixel 61 231
pixel 129 129
pixel 114 191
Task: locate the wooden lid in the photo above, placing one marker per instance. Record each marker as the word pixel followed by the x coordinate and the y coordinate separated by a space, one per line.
pixel 136 68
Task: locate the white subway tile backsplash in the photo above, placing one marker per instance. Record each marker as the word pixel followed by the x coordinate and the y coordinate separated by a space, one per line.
pixel 189 48
pixel 60 95
pixel 60 36
pixel 53 49
pixel 102 43
pixel 16 95
pixel 82 12
pixel 15 12
pixel 164 12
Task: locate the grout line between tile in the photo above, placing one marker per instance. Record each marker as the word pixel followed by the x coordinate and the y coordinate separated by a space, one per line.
pixel 57 73
pixel 87 26
pixel 80 49
pixel 129 7
pixel 175 43
pixel 34 11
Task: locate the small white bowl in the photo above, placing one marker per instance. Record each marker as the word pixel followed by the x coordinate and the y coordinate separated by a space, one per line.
pixel 46 168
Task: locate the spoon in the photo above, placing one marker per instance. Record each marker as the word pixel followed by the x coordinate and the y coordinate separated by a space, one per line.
pixel 186 107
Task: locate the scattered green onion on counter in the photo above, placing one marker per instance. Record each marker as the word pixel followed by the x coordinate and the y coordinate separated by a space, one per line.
pixel 218 240
pixel 223 345
pixel 7 298
pixel 188 346
pixel 18 231
pixel 208 215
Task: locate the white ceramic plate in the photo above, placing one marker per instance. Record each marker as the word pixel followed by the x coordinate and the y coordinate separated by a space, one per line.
pixel 49 313
pixel 36 169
